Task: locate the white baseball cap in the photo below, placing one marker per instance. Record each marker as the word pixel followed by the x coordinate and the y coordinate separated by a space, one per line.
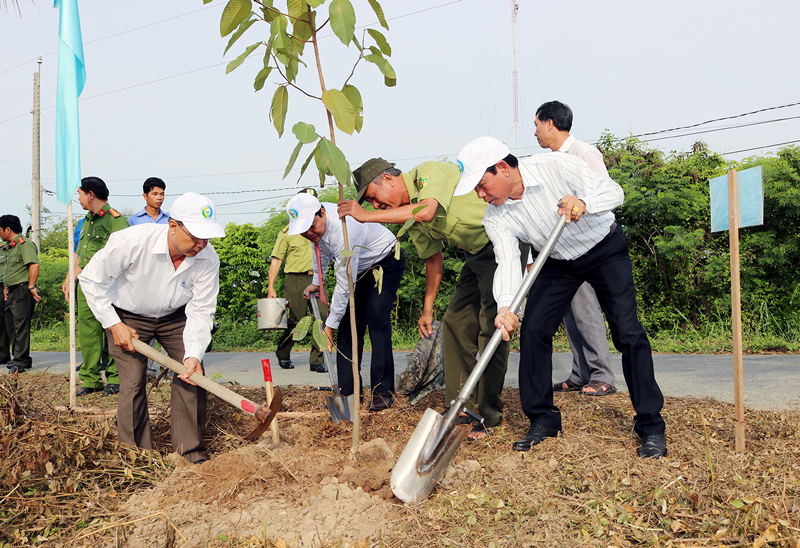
pixel 198 215
pixel 475 158
pixel 301 210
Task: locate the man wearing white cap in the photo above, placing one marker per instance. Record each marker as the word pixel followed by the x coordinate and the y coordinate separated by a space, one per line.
pixel 525 200
pixel 160 281
pixel 373 258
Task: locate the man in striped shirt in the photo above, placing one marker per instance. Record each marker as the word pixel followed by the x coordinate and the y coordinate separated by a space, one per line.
pixel 525 200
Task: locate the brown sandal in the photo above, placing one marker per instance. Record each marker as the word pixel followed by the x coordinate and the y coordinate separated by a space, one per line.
pixel 570 386
pixel 600 389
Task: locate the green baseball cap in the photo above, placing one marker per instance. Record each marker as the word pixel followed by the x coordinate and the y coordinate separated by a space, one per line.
pixel 366 173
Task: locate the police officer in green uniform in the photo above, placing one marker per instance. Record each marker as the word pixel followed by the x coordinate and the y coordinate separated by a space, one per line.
pixel 468 323
pixel 295 251
pixel 19 270
pixel 99 224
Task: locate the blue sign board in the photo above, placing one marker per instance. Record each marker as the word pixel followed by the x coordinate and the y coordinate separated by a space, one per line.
pixel 750 192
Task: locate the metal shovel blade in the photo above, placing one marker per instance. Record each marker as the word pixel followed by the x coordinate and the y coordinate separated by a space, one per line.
pixel 437 438
pixel 414 477
pixel 336 404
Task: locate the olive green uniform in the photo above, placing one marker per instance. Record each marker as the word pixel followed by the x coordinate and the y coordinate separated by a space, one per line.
pixel 468 324
pixel 94 234
pixel 15 260
pixel 295 252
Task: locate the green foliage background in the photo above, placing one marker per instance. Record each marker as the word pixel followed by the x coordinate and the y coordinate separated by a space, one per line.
pixel 681 269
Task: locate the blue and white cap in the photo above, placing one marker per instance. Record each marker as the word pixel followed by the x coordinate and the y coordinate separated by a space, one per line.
pixel 475 158
pixel 301 210
pixel 198 215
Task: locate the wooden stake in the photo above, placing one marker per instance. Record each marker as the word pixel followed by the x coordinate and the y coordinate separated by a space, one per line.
pixel 736 309
pixel 268 387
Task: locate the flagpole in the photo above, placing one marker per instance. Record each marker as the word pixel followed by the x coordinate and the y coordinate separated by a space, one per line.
pixel 71 291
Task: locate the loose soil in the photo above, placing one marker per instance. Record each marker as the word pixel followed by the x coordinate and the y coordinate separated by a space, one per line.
pixel 66 480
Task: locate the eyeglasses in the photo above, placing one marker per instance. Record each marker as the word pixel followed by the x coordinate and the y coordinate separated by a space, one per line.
pixel 195 240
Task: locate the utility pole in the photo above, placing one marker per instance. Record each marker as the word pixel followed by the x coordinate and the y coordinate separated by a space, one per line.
pixel 36 203
pixel 514 9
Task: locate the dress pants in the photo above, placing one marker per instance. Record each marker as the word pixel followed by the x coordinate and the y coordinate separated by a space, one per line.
pixel 187 403
pixel 299 307
pixel 586 331
pixel 607 267
pixel 90 335
pixel 468 326
pixel 373 311
pixel 6 332
pixel 18 314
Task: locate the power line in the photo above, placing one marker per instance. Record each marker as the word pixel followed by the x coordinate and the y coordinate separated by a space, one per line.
pixel 765 146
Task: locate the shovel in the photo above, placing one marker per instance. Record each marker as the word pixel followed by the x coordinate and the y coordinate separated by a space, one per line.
pixel 437 438
pixel 264 414
pixel 336 404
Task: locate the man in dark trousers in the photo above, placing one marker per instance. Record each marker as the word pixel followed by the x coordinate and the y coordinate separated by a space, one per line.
pixel 100 222
pixel 160 281
pixel 526 198
pixel 19 270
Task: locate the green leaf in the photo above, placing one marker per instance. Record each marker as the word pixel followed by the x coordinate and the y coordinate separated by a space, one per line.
pixel 405 227
pixel 207 1
pixel 321 165
pixel 356 42
pixel 378 273
pixel 343 19
pixel 354 96
pixel 319 334
pixel 304 132
pixel 340 106
pixel 293 159
pixel 315 3
pixel 268 11
pixel 301 32
pixel 397 249
pixel 301 329
pixel 389 82
pixel 280 105
pixel 241 30
pixel 261 77
pixel 335 161
pixel 347 253
pixel 383 64
pixel 737 504
pixel 376 7
pixel 234 13
pixel 239 60
pixel 296 8
pixel 308 161
pixel 380 39
pixel 277 32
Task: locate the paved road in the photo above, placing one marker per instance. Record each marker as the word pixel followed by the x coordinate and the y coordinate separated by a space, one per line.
pixel 770 382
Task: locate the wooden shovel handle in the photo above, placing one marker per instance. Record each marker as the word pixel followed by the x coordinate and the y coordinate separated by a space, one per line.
pixel 203 382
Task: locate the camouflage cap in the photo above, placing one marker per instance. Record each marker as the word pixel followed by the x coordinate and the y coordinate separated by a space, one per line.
pixel 366 173
pixel 309 191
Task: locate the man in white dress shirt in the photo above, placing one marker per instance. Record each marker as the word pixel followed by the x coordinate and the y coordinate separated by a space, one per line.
pixel 586 329
pixel 160 281
pixel 525 200
pixel 373 248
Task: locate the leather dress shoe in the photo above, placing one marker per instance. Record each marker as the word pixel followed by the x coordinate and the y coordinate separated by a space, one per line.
pixel 535 436
pixel 285 364
pixel 110 390
pixel 17 369
pixel 86 390
pixel 653 446
pixel 319 367
pixel 379 403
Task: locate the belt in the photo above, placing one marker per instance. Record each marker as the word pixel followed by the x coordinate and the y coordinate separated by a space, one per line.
pixel 309 273
pixel 15 286
pixel 611 231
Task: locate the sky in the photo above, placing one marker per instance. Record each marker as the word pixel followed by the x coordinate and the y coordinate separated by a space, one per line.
pixel 157 101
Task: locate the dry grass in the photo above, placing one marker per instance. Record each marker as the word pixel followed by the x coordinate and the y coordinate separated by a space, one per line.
pixel 585 488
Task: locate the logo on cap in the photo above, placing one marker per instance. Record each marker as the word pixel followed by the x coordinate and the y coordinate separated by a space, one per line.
pixel 460 165
pixel 293 213
pixel 206 212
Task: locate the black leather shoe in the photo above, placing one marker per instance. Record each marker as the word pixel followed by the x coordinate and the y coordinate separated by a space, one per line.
pixel 319 367
pixel 86 390
pixel 653 446
pixel 535 436
pixel 16 369
pixel 110 390
pixel 379 403
pixel 285 364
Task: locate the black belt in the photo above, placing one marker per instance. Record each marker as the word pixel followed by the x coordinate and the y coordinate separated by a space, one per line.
pixel 15 286
pixel 611 231
pixel 307 273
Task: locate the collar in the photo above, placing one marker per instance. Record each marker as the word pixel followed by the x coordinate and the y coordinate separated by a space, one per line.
pixel 100 213
pixel 412 187
pixel 17 240
pixel 143 213
pixel 566 145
